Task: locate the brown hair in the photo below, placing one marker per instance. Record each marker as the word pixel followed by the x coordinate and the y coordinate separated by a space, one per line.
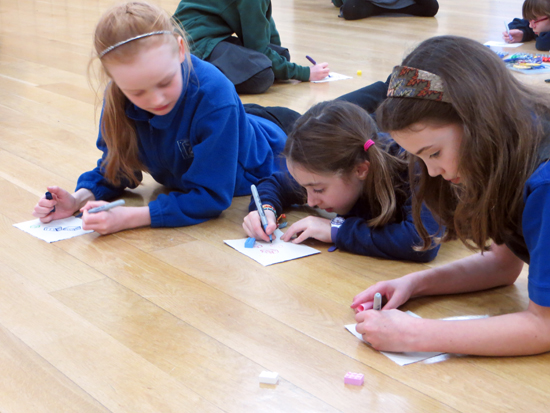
pixel 329 139
pixel 535 8
pixel 117 24
pixel 500 119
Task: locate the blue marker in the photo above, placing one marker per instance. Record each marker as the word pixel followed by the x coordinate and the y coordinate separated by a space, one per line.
pixel 105 207
pixel 260 208
pixel 508 31
pixel 50 197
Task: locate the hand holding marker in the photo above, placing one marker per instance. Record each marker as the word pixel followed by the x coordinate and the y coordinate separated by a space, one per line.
pixel 318 72
pixel 50 197
pixel 508 32
pixel 377 301
pixel 260 209
pixel 105 207
pixel 377 305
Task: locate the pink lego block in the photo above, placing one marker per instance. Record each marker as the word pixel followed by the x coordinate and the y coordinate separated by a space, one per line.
pixel 354 378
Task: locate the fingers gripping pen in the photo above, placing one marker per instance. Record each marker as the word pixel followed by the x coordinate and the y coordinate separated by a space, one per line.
pixel 260 208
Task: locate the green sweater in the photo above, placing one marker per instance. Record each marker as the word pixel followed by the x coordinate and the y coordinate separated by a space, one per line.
pixel 208 22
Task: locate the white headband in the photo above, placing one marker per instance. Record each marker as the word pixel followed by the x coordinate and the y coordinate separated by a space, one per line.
pixel 107 50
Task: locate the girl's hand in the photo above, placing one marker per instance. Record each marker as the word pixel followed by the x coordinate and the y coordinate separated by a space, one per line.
pixel 105 222
pixel 388 330
pixel 396 292
pixel 65 205
pixel 515 36
pixel 253 225
pixel 310 227
pixel 319 71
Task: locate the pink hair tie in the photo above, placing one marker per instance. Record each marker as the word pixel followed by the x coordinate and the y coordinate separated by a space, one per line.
pixel 368 144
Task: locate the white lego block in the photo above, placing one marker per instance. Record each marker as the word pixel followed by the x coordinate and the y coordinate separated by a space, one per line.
pixel 269 377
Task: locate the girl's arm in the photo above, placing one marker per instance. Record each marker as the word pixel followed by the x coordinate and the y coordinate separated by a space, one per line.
pixel 392 241
pixel 543 42
pixel 523 333
pixel 218 136
pixel 494 268
pixel 280 190
pixel 526 332
pixel 523 25
pixel 62 203
pixel 115 219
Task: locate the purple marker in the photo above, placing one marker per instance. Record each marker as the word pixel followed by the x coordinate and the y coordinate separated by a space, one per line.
pixel 313 62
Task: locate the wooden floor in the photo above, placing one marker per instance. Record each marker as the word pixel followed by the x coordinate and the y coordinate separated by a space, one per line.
pixel 173 320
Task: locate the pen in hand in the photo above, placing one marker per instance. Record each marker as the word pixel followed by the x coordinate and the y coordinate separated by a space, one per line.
pixel 377 304
pixel 260 209
pixel 50 197
pixel 508 31
pixel 105 207
pixel 313 62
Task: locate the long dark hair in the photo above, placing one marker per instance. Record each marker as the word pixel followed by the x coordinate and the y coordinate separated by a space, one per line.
pixel 329 139
pixel 500 119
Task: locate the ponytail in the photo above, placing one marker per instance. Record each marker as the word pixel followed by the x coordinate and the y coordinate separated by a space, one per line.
pixel 331 137
pixel 119 134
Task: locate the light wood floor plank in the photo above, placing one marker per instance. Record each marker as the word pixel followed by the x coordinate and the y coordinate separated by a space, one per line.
pixel 32 385
pixel 112 374
pixel 221 375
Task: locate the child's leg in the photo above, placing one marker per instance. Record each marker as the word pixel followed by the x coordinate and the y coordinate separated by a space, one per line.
pixel 359 9
pixel 259 83
pixel 281 116
pixel 368 97
pixel 248 70
pixel 424 8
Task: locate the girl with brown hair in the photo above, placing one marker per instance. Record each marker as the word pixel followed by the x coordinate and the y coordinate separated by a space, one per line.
pixel 340 163
pixel 174 116
pixel 479 141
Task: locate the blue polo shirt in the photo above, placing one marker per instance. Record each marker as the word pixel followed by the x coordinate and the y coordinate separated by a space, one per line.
pixel 536 232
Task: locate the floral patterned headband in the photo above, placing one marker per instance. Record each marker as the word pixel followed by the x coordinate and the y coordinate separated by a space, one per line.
pixel 408 82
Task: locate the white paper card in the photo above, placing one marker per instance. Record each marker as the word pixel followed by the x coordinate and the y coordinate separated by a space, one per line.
pixel 405 358
pixel 493 43
pixel 267 253
pixel 57 230
pixel 332 77
pixel 400 358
